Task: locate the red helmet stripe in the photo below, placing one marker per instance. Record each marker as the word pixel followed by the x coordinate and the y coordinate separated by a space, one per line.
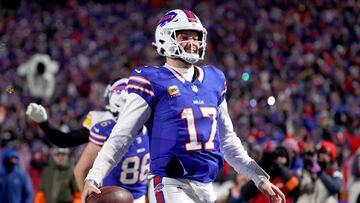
pixel 190 15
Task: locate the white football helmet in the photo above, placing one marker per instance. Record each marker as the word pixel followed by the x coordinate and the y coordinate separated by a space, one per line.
pixel 165 35
pixel 115 95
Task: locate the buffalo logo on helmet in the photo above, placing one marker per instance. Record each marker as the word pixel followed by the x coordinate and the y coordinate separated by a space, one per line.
pixel 167 18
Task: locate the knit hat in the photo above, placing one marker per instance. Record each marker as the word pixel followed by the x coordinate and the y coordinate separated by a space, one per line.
pixel 329 147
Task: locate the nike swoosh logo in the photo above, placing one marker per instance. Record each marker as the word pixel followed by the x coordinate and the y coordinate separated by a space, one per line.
pixel 138 71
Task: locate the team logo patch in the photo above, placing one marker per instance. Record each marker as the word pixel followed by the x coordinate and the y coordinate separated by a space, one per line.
pixel 194 88
pixel 167 18
pixel 87 122
pixel 159 187
pixel 173 91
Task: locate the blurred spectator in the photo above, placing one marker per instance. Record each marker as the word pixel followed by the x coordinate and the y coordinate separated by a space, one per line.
pixel 294 153
pixel 234 193
pixel 37 164
pixel 15 184
pixel 353 184
pixel 58 181
pixel 277 165
pixel 39 72
pixel 321 178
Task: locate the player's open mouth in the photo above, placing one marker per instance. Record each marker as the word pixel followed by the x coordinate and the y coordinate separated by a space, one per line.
pixel 191 51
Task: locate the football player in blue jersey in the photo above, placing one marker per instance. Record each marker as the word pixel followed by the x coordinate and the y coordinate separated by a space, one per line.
pixel 37 113
pixel 131 172
pixel 184 109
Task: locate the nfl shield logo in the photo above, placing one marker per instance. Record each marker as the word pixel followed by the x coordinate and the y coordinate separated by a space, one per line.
pixel 194 88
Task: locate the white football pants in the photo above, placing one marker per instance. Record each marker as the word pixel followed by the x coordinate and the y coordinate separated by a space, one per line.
pixel 141 199
pixel 170 190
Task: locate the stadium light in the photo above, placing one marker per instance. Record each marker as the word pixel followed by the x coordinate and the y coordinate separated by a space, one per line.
pixel 271 100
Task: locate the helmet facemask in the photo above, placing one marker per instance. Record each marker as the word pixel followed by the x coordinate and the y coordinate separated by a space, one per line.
pixel 178 51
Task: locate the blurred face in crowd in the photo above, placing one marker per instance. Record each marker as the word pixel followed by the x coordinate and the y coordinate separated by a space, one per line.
pixel 308 147
pixel 13 160
pixel 281 160
pixel 188 40
pixel 240 180
pixel 324 157
pixel 61 158
pixel 281 155
pixel 10 163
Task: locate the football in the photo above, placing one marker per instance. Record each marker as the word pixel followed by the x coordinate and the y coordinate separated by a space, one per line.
pixel 111 194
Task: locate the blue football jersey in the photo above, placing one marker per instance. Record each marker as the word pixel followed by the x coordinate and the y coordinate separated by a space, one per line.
pixel 131 172
pixel 183 126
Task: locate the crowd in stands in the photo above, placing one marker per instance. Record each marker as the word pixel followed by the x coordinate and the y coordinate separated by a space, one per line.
pixel 292 68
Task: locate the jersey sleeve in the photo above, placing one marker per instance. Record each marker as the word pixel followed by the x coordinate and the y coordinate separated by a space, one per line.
pixel 233 150
pixel 70 139
pixel 223 92
pixel 220 80
pixel 100 132
pixel 140 84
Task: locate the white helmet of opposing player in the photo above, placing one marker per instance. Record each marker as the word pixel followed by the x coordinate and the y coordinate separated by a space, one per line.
pixel 115 95
pixel 165 35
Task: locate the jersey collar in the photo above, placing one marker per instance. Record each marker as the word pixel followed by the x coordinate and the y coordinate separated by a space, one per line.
pixel 179 76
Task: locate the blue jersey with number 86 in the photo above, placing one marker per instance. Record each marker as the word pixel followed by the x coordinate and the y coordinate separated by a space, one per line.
pixel 131 172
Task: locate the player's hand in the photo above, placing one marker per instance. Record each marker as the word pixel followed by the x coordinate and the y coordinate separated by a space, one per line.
pixel 88 189
pixel 272 192
pixel 36 112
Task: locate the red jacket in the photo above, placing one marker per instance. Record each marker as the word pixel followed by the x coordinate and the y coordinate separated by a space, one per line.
pixel 285 188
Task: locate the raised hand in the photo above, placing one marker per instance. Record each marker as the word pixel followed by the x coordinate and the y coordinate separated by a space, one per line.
pixel 36 112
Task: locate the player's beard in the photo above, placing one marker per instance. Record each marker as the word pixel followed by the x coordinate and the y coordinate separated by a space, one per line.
pixel 191 48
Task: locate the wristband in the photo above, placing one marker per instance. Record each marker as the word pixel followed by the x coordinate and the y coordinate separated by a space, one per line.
pixel 97 185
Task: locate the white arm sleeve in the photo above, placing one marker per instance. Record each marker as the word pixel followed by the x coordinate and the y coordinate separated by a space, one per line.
pixel 136 112
pixel 234 151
